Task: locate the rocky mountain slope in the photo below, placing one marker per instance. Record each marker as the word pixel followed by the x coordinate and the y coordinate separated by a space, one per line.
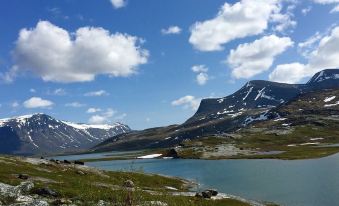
pixel 42 134
pixel 255 101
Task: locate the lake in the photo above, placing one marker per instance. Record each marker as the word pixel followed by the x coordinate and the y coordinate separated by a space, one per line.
pixel 313 182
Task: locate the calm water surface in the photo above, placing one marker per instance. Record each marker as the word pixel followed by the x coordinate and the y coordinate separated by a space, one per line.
pixel 312 182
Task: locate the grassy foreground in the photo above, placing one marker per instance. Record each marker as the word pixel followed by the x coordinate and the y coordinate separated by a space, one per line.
pixel 87 186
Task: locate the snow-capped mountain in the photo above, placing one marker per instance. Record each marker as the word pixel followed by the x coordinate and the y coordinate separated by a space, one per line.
pixel 261 94
pixel 256 101
pixel 40 133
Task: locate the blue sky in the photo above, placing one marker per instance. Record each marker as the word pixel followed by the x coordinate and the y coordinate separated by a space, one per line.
pixel 131 61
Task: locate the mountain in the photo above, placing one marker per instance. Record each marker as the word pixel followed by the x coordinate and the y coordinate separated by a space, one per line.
pixel 217 116
pixel 43 134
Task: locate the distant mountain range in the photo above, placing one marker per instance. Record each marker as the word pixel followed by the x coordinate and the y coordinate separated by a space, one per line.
pixel 256 100
pixel 43 134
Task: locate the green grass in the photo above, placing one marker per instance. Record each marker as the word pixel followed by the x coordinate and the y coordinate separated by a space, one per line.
pixel 91 187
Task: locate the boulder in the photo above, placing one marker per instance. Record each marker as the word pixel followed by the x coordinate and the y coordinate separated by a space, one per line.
pixel 198 194
pixel 23 176
pixel 67 162
pixel 77 162
pixel 79 172
pixel 46 192
pixel 128 184
pixel 206 194
pixel 213 192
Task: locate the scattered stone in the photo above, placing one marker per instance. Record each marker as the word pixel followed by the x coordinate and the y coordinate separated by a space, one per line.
pixel 102 203
pixel 206 194
pixel 155 203
pixel 46 192
pixel 32 203
pixel 77 162
pixel 129 184
pixel 198 194
pixel 79 172
pixel 67 162
pixel 62 201
pixel 23 176
pixel 213 192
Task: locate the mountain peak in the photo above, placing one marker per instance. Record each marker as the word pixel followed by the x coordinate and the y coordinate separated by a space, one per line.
pixel 327 74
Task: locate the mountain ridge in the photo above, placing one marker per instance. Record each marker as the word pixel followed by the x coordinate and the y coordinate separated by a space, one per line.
pixel 216 116
pixel 41 133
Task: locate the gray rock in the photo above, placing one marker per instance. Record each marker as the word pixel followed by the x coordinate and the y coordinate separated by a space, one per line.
pixel 9 191
pixel 213 192
pixel 128 184
pixel 46 192
pixel 32 203
pixel 23 176
pixel 206 194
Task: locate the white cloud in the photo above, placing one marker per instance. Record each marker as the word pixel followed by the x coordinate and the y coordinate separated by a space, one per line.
pixel 171 30
pixel 325 56
pixel 74 104
pixel 250 59
pixel 103 118
pixel 188 102
pixel 118 3
pixel 306 10
pixel 335 8
pixel 199 68
pixel 57 55
pixel 202 78
pixel 59 92
pixel 306 47
pixel 97 119
pixel 288 73
pixel 96 93
pixel 37 102
pixel 32 90
pixel 15 104
pixel 284 20
pixel 242 19
pixel 93 110
pixel 9 76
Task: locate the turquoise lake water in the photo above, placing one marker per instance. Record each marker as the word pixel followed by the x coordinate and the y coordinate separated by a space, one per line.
pixel 313 182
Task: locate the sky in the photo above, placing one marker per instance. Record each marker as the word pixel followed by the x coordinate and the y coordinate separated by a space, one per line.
pixel 148 63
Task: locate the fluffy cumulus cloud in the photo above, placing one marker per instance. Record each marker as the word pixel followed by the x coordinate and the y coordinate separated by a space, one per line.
pixel 96 93
pixel 202 76
pixel 242 19
pixel 288 73
pixel 171 30
pixel 325 56
pixel 250 59
pixel 57 55
pixel 37 102
pixel 118 3
pixel 188 102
